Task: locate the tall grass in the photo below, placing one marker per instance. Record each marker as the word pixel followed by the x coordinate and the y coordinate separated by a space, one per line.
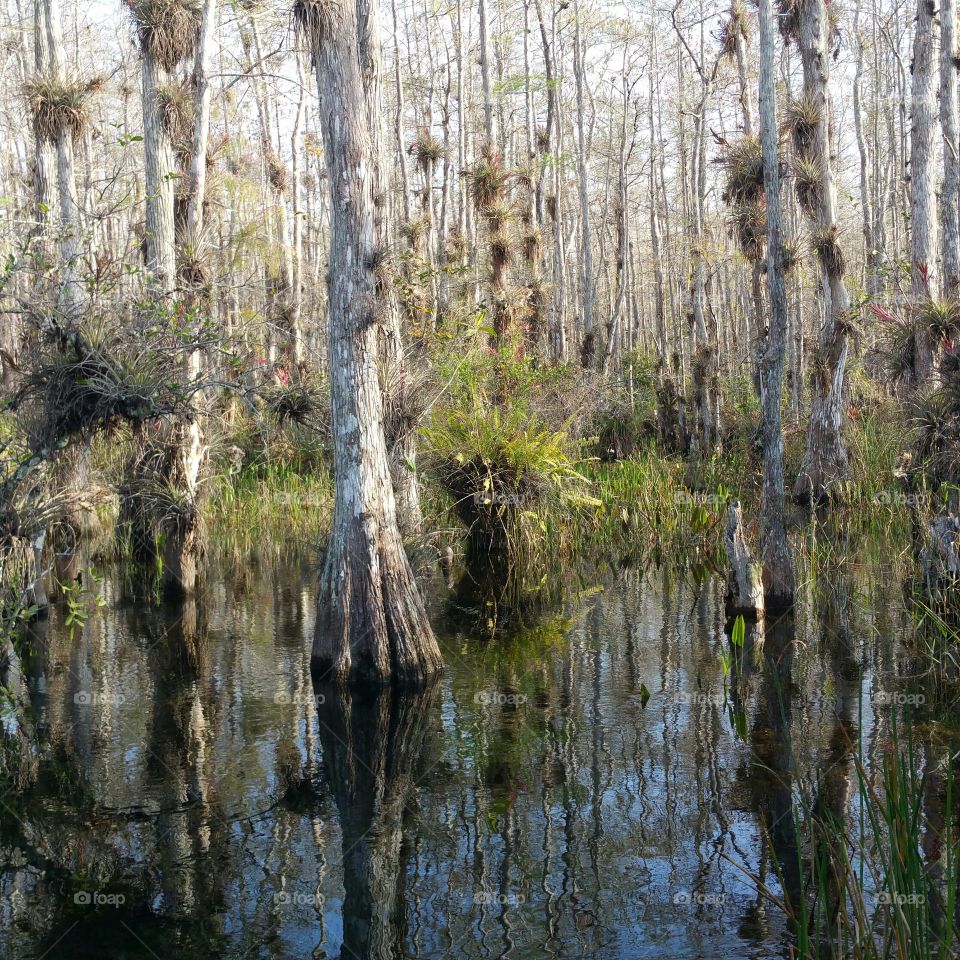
pixel 879 884
pixel 270 508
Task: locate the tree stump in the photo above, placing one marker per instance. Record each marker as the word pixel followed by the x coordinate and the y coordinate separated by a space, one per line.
pixel 744 577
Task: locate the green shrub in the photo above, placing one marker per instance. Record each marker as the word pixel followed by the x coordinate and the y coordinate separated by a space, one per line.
pixel 507 472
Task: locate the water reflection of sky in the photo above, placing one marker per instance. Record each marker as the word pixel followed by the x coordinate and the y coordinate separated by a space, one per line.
pixel 588 789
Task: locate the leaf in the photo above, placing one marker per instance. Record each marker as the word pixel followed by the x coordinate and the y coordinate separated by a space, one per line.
pixel 739 631
pixel 644 695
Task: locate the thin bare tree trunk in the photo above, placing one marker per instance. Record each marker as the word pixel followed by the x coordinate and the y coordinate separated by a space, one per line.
pixel 869 241
pixel 201 125
pixel 70 219
pixel 296 151
pixel 588 346
pixel 398 118
pixel 489 124
pixel 45 160
pixel 159 167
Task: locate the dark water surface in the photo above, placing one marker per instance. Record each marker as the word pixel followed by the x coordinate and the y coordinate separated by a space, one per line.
pixel 603 784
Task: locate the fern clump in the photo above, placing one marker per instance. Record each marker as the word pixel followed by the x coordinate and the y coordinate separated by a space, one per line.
pixel 509 474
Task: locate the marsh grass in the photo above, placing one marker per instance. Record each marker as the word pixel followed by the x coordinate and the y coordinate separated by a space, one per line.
pixel 271 509
pixel 876 878
pixel 873 891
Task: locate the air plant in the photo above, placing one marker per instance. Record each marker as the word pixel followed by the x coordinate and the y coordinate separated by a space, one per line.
pixel 427 150
pixel 824 244
pixel 525 174
pixel 499 214
pixel 414 230
pixel 744 165
pixel 456 247
pixel 803 116
pixel 791 256
pixel 60 104
pixel 808 182
pixel 408 391
pixel 501 249
pixel 487 180
pixel 789 18
pixel 748 224
pixel 167 30
pixel 940 318
pixel 177 115
pixel 277 172
pixel 736 28
pixel 532 241
pixel 193 258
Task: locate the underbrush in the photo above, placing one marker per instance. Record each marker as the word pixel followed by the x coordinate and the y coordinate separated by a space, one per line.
pixel 528 463
pixel 533 466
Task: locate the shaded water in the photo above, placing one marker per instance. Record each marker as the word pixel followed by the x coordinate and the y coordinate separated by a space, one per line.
pixel 602 784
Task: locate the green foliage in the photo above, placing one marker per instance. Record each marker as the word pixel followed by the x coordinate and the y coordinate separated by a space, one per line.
pixel 502 466
pixel 80 599
pixel 871 893
pixel 270 509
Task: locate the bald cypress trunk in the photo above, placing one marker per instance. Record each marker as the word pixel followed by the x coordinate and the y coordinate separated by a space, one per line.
pixel 159 166
pixel 371 621
pixel 71 473
pixel 45 159
pixel 950 203
pixel 923 201
pixel 775 552
pixel 62 139
pixel 825 460
pixel 588 347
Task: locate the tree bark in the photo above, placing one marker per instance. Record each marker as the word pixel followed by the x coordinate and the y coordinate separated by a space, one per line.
pixel 825 460
pixel 371 621
pixel 923 202
pixel 489 123
pixel 159 167
pixel 744 577
pixel 201 128
pixel 588 347
pixel 70 219
pixel 45 159
pixel 869 240
pixel 950 202
pixel 774 550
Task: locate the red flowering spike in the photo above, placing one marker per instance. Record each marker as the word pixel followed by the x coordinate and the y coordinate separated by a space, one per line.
pixel 881 312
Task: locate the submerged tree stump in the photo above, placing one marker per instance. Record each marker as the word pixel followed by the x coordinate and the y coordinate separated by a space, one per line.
pixel 744 577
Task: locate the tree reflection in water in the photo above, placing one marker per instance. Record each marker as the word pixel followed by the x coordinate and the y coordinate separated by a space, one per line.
pixel 372 745
pixel 600 783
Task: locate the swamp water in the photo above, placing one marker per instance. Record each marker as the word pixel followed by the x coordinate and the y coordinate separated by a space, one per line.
pixel 609 782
